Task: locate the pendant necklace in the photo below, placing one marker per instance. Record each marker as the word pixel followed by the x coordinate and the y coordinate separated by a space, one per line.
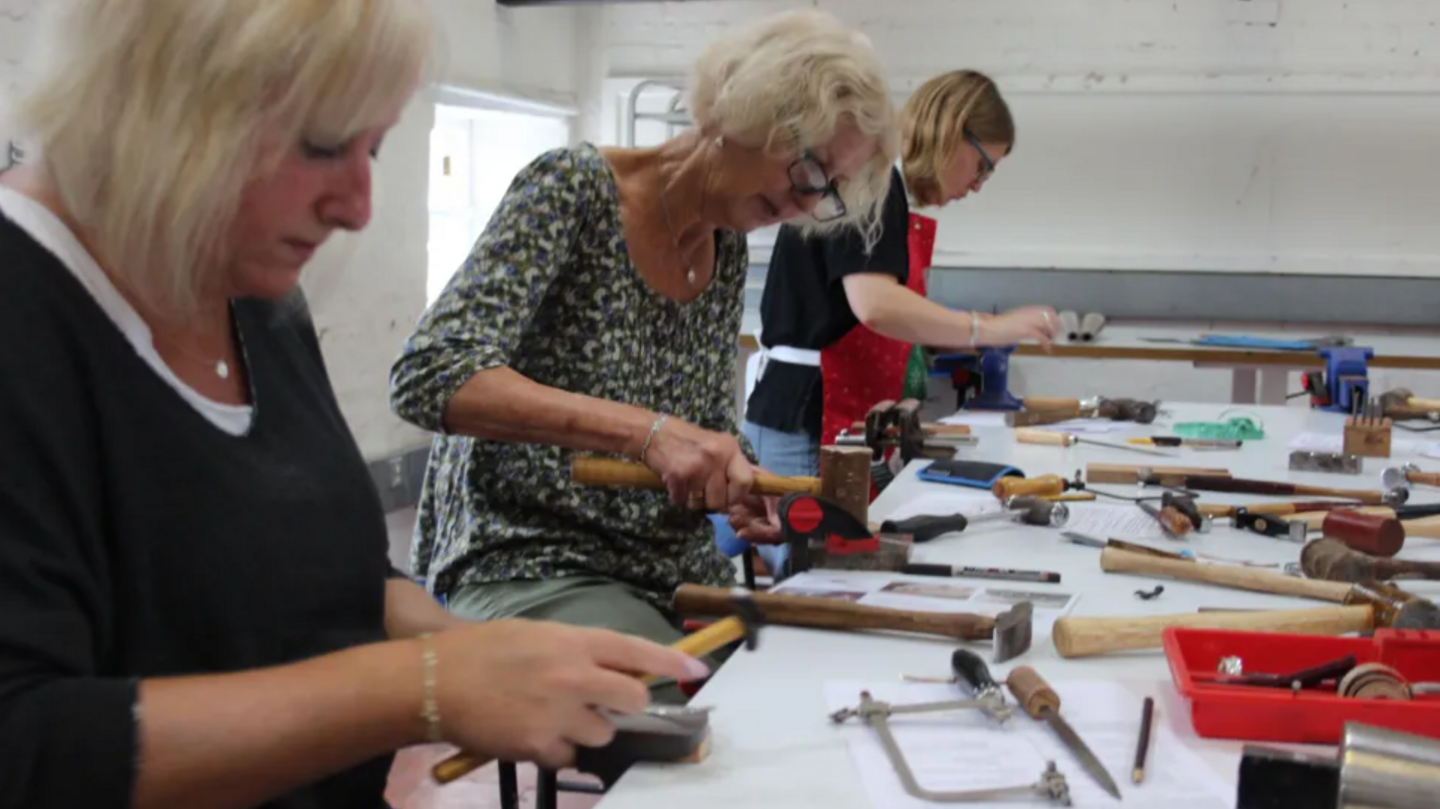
pixel 675 240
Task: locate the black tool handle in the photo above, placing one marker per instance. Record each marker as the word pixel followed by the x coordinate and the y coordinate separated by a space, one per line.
pixel 1266 524
pixel 925 527
pixel 971 670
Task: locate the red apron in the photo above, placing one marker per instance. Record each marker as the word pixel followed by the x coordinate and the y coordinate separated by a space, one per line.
pixel 863 368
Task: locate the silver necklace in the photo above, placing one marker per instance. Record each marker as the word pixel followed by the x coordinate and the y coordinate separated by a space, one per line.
pixel 675 240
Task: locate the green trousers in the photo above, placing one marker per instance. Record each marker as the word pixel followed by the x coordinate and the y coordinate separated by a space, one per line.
pixel 579 601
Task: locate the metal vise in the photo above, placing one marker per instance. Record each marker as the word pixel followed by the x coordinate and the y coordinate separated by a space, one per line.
pixel 897 424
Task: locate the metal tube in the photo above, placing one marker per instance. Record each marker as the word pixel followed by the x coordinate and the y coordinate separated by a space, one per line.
pixel 1386 769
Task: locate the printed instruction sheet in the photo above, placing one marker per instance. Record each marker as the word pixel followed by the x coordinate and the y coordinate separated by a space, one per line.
pixel 965 749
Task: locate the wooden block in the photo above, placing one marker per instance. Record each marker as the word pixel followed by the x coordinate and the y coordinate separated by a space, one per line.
pixel 845 478
pixel 1130 473
pixel 1368 437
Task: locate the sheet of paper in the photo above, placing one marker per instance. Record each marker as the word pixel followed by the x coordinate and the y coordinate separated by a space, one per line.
pixel 1324 442
pixel 1112 521
pixel 964 500
pixel 957 750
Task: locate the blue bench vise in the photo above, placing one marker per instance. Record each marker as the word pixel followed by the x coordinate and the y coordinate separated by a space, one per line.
pixel 1344 385
pixel 980 380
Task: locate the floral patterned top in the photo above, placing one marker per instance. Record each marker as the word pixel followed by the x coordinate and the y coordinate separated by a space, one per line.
pixel 549 291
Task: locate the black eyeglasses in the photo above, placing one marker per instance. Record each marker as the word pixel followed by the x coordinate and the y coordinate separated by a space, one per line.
pixel 988 167
pixel 807 176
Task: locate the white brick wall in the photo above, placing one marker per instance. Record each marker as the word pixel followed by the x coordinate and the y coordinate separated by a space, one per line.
pixel 1226 135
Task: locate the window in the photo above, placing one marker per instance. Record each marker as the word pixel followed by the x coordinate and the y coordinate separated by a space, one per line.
pixel 475 153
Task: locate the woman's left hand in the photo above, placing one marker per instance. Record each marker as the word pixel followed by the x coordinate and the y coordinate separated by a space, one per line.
pixel 756 520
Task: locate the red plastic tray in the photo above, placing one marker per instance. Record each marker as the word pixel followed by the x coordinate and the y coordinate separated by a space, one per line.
pixel 1315 715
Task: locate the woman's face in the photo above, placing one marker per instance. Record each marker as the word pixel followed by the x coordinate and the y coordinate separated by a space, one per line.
pixel 971 166
pixel 286 215
pixel 750 189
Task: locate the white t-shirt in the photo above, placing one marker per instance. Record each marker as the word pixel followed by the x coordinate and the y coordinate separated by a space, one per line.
pixel 47 229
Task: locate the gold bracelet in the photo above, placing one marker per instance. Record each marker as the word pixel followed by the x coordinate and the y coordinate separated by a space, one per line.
pixel 430 712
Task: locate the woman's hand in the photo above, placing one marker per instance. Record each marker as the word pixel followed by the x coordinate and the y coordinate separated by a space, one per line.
pixel 756 520
pixel 701 468
pixel 523 690
pixel 1028 323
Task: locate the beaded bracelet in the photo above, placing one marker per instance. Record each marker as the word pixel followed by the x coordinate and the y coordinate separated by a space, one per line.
pixel 654 428
pixel 430 712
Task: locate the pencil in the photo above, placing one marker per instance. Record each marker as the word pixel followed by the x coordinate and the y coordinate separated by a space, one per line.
pixel 1146 715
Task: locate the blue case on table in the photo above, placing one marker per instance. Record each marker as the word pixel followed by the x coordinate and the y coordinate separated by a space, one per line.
pixel 976 474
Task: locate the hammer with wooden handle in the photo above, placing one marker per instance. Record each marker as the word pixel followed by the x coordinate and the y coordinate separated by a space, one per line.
pixel 593 471
pixel 1368 606
pixel 1216 483
pixel 1115 560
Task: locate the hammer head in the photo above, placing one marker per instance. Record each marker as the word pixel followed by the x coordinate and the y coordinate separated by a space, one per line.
pixel 1013 631
pixel 1395 608
pixel 1398 477
pixel 749 613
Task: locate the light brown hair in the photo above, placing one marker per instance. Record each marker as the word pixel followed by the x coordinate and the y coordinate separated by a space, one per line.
pixel 935 121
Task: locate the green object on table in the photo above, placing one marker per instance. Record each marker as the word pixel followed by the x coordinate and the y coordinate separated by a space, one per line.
pixel 1241 427
pixel 916 384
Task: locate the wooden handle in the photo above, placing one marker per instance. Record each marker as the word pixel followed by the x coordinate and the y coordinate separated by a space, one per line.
pixel 1424 478
pixel 707 640
pixel 947 429
pixel 593 471
pixel 1043 486
pixel 828 613
pixel 1030 435
pixel 1367 496
pixel 1173 519
pixel 1032 693
pixel 1423 404
pixel 1129 473
pixel 1051 404
pixel 1115 560
pixel 456 767
pixel 1084 637
pixel 1298 508
pixel 1428 527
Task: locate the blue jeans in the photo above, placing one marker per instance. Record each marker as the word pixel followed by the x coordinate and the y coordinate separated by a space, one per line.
pixel 780 453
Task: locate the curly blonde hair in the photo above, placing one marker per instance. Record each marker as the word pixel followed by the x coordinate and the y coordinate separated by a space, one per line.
pixel 935 120
pixel 790 82
pixel 151 116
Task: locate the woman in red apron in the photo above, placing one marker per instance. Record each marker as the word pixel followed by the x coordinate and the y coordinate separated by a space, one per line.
pixel 839 322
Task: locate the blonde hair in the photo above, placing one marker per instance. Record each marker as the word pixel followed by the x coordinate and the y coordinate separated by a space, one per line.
pixel 790 82
pixel 937 117
pixel 152 116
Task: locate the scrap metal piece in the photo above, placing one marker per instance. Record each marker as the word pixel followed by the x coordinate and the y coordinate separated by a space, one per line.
pixel 1051 784
pixel 1341 463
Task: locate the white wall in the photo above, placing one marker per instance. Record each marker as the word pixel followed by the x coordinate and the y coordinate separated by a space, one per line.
pixel 1223 135
pixel 367 290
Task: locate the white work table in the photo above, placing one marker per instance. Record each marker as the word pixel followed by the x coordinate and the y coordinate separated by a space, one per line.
pixel 1258 375
pixel 773 744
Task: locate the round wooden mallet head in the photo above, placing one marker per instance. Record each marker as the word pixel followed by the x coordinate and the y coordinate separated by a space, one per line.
pixel 1374 534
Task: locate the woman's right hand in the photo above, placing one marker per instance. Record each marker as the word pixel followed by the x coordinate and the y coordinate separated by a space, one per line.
pixel 696 463
pixel 1027 324
pixel 520 690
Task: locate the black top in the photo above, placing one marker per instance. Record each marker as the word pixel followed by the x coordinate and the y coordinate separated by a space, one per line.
pixel 139 540
pixel 804 306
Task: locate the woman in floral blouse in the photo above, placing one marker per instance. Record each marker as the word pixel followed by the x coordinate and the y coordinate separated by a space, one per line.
pixel 599 313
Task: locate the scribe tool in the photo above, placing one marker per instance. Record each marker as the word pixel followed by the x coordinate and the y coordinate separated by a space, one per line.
pixel 1030 435
pixel 1040 701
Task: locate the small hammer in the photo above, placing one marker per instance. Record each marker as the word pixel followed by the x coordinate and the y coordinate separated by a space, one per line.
pixel 1400 403
pixel 744 625
pixel 1400 477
